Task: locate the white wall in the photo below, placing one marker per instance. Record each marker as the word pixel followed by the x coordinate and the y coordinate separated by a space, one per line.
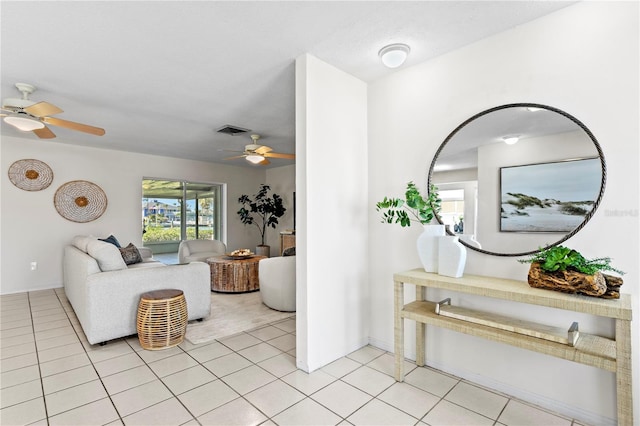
pixel 582 59
pixel 32 229
pixel 331 188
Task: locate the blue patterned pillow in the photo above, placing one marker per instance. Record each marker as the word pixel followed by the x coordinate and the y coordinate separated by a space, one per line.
pixel 111 239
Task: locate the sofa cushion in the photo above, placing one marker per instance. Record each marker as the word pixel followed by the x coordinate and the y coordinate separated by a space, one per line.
pixel 130 254
pixel 146 264
pixel 81 241
pixel 111 239
pixel 107 255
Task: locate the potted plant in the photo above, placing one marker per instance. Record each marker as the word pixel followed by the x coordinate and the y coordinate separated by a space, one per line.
pixel 416 208
pixel 263 211
pixel 567 270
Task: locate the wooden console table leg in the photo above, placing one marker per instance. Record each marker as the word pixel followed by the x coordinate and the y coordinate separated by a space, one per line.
pixel 420 331
pixel 623 372
pixel 398 298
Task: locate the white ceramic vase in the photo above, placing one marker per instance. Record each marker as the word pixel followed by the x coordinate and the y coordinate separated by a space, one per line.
pixel 428 246
pixel 452 256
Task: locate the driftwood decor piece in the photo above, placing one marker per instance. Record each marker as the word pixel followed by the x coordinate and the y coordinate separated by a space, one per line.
pixel 569 281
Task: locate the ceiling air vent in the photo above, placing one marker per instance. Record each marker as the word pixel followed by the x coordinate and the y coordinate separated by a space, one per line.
pixel 232 130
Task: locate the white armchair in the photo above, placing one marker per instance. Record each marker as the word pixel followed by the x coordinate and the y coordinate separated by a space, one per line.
pixel 277 277
pixel 199 250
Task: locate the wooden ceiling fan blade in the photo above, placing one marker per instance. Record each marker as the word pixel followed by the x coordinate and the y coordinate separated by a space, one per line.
pixel 235 158
pixel 44 133
pixel 42 109
pixel 264 162
pixel 279 155
pixel 74 126
pixel 263 150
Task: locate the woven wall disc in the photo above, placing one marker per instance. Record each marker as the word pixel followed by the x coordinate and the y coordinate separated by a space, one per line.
pixel 30 174
pixel 80 201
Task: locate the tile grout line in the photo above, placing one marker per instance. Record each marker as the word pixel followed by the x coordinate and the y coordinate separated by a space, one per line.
pixel 182 350
pixel 90 361
pixel 35 344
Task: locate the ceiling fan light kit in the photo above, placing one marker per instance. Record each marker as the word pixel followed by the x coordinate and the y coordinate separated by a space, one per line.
pixel 25 124
pixel 394 55
pixel 255 158
pixel 29 116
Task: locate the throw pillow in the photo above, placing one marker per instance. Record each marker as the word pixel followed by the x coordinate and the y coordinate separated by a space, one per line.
pixel 111 239
pixel 107 255
pixel 81 242
pixel 130 254
pixel 289 251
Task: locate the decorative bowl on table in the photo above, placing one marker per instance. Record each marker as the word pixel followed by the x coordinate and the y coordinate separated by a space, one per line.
pixel 240 254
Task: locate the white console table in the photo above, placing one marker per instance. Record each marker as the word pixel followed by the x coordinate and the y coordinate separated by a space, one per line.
pixel 610 354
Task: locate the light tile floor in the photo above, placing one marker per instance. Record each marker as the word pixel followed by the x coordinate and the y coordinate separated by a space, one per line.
pixel 51 375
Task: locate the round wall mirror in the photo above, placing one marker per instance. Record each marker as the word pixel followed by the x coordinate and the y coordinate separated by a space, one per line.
pixel 518 178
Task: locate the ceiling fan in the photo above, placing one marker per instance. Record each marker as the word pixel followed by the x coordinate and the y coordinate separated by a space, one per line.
pixel 260 154
pixel 27 115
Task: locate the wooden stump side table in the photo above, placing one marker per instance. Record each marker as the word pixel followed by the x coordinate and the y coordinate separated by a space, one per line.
pixel 162 319
pixel 234 275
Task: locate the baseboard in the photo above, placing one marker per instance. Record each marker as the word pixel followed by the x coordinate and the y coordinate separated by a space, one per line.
pixel 544 402
pixel 26 290
pixel 518 393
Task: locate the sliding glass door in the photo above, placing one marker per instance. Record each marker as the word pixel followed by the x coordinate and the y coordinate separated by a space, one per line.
pixel 173 211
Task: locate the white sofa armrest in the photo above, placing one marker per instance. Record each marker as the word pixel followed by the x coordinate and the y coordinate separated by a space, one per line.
pixel 145 252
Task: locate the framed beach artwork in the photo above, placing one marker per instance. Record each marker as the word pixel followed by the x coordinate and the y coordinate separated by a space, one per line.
pixel 548 197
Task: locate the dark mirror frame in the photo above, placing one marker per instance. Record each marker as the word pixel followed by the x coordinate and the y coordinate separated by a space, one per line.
pixel 530 105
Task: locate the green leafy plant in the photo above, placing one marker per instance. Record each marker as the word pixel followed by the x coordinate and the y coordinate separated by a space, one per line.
pixel 560 258
pixel 262 210
pixel 413 208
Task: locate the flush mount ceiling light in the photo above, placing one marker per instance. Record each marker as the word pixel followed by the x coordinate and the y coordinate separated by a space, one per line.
pixel 25 123
pixel 510 140
pixel 254 158
pixel 394 55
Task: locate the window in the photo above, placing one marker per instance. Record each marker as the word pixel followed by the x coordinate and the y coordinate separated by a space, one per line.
pixel 173 211
pixel 452 211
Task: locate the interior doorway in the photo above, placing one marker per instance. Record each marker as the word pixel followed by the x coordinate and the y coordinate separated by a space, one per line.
pixel 173 211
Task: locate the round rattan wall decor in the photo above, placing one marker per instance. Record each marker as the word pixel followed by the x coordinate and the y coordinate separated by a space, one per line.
pixel 30 174
pixel 80 201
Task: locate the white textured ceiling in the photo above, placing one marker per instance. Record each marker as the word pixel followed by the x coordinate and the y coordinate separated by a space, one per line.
pixel 161 77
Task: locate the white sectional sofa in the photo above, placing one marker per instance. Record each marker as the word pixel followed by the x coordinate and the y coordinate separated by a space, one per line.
pixel 104 291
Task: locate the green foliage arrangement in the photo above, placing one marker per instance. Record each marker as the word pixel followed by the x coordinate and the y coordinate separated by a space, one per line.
pixel 414 207
pixel 262 211
pixel 560 258
pixel 158 234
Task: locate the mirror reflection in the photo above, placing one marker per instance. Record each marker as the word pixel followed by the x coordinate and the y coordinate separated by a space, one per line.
pixel 518 177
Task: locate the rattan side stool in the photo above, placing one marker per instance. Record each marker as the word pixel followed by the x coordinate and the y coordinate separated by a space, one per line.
pixel 162 319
